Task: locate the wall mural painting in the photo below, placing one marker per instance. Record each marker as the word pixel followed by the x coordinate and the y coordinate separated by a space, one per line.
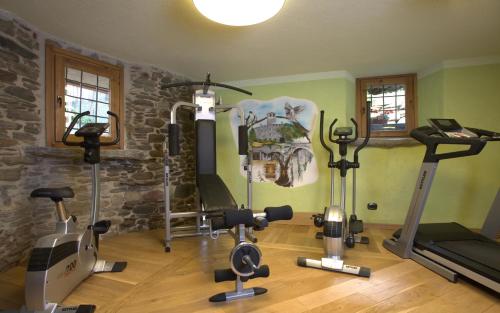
pixel 280 132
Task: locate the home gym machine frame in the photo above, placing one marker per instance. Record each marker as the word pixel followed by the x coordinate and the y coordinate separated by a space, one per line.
pixel 337 231
pixel 61 261
pixel 205 110
pixel 245 257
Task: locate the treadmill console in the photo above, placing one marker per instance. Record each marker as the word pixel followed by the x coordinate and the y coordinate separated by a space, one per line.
pixel 450 128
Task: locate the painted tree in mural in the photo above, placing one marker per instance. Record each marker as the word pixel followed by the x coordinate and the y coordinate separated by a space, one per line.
pixel 279 131
pixel 285 159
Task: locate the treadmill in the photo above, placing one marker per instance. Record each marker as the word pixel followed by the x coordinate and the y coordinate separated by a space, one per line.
pixel 449 249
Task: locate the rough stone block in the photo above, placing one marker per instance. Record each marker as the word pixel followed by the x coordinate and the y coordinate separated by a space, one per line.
pixel 20 92
pixel 156 138
pixel 7 77
pixel 155 122
pixel 10 174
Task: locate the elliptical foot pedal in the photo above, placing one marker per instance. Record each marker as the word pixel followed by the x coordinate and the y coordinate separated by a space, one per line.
pixel 82 308
pixel 319 235
pixel 364 240
pixel 102 266
pixel 85 308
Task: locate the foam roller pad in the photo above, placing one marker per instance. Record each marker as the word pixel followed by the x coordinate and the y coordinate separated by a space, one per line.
pixel 278 213
pixel 262 271
pixel 242 140
pixel 237 217
pixel 173 139
pixel 224 275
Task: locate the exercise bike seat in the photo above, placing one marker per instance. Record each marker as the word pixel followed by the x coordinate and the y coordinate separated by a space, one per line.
pixel 55 194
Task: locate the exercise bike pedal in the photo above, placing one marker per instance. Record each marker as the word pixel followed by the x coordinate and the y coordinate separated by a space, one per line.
pixel 319 235
pixel 102 266
pixel 102 227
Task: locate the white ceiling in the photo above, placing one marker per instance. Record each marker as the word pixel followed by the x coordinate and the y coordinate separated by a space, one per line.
pixel 364 37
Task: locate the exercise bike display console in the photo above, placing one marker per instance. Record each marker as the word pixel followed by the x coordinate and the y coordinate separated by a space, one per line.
pixel 449 249
pixel 61 261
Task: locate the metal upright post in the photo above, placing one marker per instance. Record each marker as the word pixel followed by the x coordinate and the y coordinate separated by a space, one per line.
pixel 166 198
pixel 94 214
pixel 332 186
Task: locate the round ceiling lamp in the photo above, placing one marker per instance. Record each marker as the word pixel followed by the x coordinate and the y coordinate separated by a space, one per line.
pixel 239 12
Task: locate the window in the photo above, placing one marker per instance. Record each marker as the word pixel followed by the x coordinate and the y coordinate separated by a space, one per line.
pixel 75 84
pixel 393 104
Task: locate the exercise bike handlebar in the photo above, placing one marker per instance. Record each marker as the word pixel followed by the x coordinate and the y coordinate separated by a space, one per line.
pixel 322 139
pixel 79 143
pixel 117 130
pixel 70 128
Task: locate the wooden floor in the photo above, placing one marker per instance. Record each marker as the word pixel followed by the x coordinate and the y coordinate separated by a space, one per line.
pixel 182 281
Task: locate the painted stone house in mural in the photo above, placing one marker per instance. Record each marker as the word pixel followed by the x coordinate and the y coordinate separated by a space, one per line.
pixel 279 137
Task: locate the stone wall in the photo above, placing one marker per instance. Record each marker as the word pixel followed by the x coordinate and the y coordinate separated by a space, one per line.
pixel 131 179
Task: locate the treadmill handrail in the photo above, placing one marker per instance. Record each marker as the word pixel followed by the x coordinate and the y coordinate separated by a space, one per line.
pixel 433 138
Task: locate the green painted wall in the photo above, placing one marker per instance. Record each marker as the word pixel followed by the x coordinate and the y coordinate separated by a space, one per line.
pixel 463 189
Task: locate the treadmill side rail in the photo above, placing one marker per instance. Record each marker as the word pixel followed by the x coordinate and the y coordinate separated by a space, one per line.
pixel 454 267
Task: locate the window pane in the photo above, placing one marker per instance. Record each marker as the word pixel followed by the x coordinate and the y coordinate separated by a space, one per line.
pixel 389 90
pixel 103 82
pixel 103 120
pixel 87 119
pixel 72 89
pixel 401 90
pixel 90 79
pixel 103 95
pixel 102 109
pixel 89 93
pixel 375 91
pixel 73 74
pixel 72 104
pixel 89 106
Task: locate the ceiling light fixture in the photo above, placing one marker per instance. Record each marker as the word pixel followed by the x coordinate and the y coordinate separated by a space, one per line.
pixel 239 12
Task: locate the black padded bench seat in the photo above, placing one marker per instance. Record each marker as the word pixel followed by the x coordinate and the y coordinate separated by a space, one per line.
pixel 214 194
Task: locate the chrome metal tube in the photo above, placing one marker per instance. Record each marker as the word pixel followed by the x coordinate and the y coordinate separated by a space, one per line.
pixel 173 112
pixel 95 196
pixel 354 191
pixel 332 186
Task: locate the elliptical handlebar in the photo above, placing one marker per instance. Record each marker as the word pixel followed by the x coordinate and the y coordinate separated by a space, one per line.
pixel 321 138
pixel 70 128
pixel 330 130
pixel 368 131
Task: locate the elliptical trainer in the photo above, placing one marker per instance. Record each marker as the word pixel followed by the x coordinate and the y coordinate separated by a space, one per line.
pixel 337 231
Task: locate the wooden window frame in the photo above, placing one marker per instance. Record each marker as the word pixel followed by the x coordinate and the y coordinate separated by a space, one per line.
pixel 56 59
pixel 410 102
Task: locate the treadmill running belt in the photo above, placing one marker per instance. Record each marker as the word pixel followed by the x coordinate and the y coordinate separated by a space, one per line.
pixel 486 253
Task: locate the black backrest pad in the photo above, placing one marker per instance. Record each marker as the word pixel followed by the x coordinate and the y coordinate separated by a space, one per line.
pixel 214 194
pixel 206 162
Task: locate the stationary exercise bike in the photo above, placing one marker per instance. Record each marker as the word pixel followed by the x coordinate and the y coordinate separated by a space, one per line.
pixel 337 230
pixel 61 261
